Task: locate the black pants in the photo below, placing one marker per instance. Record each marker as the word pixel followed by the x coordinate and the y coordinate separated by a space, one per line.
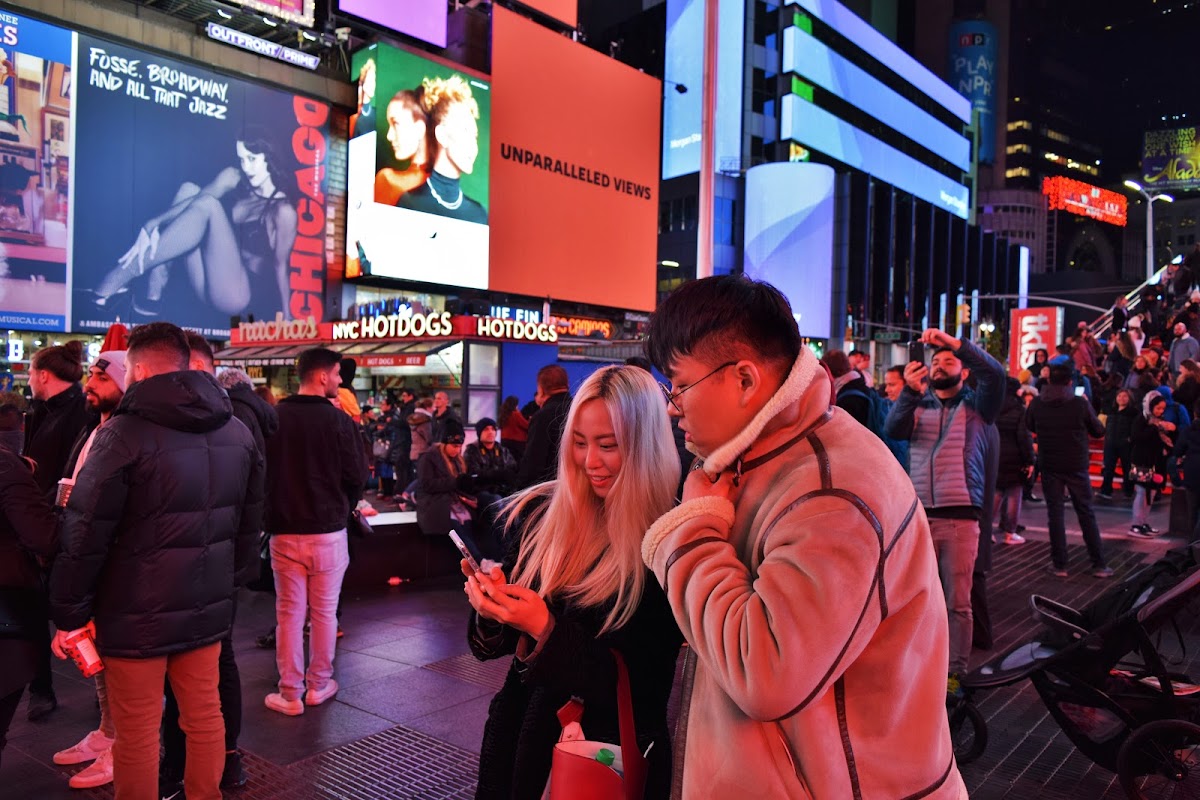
pixel 1079 486
pixel 1113 454
pixel 229 688
pixel 43 681
pixel 981 620
pixel 8 707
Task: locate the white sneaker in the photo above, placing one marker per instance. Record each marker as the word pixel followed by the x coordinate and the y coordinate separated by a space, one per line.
pixel 89 748
pixel 1014 538
pixel 98 773
pixel 314 697
pixel 293 708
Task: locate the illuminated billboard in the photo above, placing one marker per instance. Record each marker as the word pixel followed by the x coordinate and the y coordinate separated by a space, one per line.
pixel 204 197
pixel 562 10
pixel 1171 159
pixel 574 186
pixel 35 142
pixel 418 171
pixel 1077 197
pixel 789 238
pixel 685 68
pixel 974 56
pixel 812 126
pixel 421 19
pixel 299 12
pixel 817 63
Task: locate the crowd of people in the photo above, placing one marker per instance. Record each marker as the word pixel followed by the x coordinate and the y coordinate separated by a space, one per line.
pixel 825 562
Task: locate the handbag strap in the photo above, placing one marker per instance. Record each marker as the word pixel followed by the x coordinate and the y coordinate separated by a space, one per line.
pixel 631 755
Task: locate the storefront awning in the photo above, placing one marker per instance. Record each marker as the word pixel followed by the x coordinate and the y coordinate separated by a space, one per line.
pixel 367 354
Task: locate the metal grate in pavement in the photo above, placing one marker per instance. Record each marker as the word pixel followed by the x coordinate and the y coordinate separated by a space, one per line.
pixel 466 667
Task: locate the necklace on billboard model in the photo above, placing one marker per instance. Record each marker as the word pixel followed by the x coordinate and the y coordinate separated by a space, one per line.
pixel 449 206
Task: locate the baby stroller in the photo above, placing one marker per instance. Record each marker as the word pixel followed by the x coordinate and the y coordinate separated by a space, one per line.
pixel 1104 673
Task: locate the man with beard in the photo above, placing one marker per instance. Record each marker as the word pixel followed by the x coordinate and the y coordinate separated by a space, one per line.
pixel 946 423
pixel 103 392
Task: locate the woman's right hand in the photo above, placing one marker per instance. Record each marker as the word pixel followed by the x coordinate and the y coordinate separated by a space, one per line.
pixel 145 247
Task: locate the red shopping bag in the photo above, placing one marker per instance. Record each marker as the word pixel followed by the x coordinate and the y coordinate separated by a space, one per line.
pixel 575 774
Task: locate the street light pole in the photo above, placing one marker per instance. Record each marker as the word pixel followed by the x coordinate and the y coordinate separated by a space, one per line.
pixel 1150 198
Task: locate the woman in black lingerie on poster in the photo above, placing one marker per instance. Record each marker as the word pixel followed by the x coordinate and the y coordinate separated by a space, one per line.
pixel 228 237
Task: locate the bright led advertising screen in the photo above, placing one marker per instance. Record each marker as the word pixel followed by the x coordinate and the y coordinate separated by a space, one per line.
pixel 421 19
pixel 36 87
pixel 418 185
pixel 563 10
pixel 575 158
pixel 1077 197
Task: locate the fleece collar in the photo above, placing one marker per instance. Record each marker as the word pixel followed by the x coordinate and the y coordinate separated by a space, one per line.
pixel 801 375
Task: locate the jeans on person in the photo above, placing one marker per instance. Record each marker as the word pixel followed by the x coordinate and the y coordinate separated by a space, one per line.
pixel 229 689
pixel 1008 507
pixel 1141 505
pixel 1113 454
pixel 135 695
pixel 308 577
pixel 1079 486
pixel 8 708
pixel 956 542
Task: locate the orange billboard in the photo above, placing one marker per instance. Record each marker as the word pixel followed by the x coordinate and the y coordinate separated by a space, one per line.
pixel 562 10
pixel 574 170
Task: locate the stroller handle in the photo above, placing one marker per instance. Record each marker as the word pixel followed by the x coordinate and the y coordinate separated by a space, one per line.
pixel 1058 616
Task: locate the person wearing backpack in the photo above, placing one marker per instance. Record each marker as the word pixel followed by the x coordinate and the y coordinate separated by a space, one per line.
pixel 851 388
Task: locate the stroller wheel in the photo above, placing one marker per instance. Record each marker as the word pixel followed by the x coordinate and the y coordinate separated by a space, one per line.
pixel 968 731
pixel 1161 759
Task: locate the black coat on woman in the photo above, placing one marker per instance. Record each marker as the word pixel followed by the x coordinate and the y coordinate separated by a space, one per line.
pixel 1016 444
pixel 28 541
pixel 574 661
pixel 1149 445
pixel 440 481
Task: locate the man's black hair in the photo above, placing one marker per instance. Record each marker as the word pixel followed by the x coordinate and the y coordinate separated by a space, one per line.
pixel 198 344
pixel 1060 375
pixel 166 341
pixel 898 370
pixel 639 362
pixel 857 352
pixel 722 316
pixel 318 358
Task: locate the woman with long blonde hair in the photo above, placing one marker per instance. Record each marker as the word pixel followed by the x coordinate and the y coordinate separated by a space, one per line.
pixel 576 588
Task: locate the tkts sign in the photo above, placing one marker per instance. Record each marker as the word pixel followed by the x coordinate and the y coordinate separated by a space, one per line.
pixel 1032 329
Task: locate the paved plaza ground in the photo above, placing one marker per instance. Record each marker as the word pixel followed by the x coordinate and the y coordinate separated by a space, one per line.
pixel 408 719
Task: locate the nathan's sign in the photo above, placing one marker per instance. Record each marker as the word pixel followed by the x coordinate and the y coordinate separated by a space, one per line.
pixel 442 325
pixel 280 331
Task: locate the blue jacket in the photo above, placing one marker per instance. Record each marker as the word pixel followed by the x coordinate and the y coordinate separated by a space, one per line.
pixel 948 453
pixel 1175 411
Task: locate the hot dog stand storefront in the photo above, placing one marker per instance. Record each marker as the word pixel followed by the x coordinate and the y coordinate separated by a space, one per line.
pixel 465 356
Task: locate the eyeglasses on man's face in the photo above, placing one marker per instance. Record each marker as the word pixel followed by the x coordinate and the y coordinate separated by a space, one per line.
pixel 672 396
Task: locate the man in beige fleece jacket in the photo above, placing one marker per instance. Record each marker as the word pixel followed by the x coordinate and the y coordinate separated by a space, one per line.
pixel 800 569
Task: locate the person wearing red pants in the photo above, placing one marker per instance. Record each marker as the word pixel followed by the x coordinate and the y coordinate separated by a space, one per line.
pixel 183 485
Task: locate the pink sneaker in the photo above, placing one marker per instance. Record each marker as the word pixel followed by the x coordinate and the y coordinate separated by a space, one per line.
pixel 98 773
pixel 314 697
pixel 89 748
pixel 293 708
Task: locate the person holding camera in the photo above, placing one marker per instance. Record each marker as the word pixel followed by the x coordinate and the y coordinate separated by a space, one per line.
pixel 945 421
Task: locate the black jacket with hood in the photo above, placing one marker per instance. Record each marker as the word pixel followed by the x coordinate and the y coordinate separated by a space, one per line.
pixel 255 413
pixel 163 519
pixel 540 462
pixel 1063 422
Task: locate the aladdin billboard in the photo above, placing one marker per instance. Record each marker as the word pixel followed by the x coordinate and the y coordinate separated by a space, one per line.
pixel 1171 159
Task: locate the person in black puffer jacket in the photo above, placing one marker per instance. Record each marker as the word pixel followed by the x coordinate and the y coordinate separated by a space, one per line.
pixel 1117 436
pixel 163 518
pixel 1016 462
pixel 1063 422
pixel 850 386
pixel 28 535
